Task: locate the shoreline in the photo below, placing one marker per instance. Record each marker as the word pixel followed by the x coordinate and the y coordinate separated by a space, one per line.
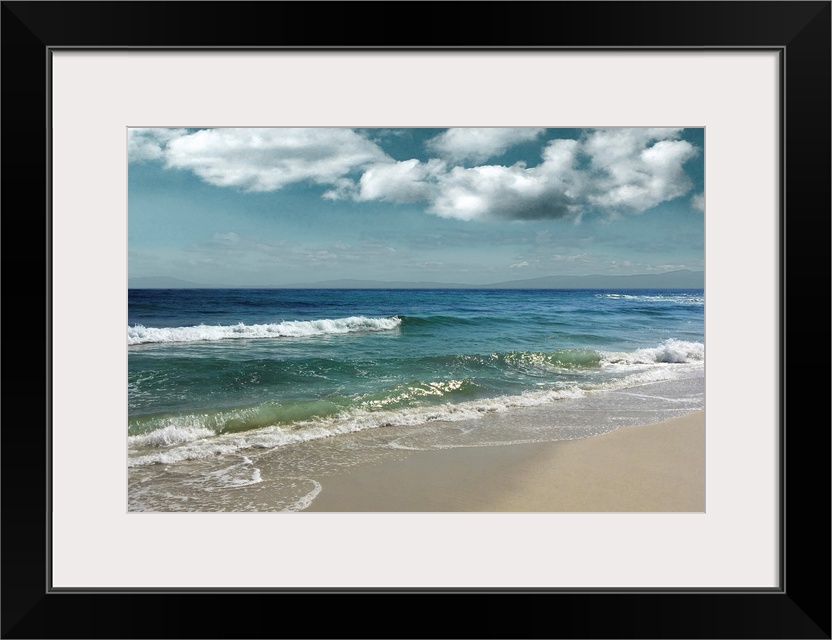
pixel 647 468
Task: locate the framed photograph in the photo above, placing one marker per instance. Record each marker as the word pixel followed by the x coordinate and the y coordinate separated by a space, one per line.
pixel 427 343
pixel 663 138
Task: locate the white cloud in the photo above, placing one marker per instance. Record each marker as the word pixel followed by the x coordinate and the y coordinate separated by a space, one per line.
pixel 638 168
pixel 269 159
pixel 608 171
pixel 519 265
pixel 407 181
pixel 549 190
pixel 615 171
pixel 149 144
pixel 698 202
pixel 479 144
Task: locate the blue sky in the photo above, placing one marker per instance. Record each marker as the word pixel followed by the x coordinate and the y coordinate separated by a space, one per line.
pixel 260 207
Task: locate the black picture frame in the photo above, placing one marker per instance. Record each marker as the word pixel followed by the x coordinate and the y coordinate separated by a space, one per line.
pixel 798 608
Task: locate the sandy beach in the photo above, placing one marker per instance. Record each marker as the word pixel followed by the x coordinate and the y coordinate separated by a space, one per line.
pixel 656 467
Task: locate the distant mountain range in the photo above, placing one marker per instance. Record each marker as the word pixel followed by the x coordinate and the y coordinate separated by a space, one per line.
pixel 683 279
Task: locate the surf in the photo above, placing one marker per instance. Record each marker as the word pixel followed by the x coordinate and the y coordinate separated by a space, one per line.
pixel 139 334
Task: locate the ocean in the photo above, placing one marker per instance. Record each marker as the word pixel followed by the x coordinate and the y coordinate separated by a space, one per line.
pixel 246 400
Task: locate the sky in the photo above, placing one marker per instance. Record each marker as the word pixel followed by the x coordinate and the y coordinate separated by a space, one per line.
pixel 269 207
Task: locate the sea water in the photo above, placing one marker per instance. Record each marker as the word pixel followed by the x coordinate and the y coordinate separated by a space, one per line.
pixel 245 400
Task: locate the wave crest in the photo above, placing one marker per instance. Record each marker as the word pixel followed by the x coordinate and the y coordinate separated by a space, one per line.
pixel 670 351
pixel 140 334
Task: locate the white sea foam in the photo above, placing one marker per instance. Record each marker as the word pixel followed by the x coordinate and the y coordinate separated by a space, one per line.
pixel 242 474
pixel 203 445
pixel 669 297
pixel 140 334
pixel 172 434
pixel 670 351
pixel 305 500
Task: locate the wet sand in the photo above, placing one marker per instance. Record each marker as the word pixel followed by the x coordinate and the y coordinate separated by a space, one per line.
pixel 657 467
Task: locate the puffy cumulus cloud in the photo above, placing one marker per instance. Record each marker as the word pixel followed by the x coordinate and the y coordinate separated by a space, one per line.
pixel 269 159
pixel 549 190
pixel 607 171
pixel 635 169
pixel 552 189
pixel 479 144
pixel 149 144
pixel 610 147
pixel 514 192
pixel 407 181
pixel 615 171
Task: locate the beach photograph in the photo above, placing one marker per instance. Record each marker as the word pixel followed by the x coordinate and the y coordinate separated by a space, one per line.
pixel 416 320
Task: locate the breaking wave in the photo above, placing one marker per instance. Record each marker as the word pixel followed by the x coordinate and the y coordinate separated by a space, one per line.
pixel 139 334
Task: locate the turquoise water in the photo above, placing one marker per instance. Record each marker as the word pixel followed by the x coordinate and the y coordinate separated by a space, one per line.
pixel 232 374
